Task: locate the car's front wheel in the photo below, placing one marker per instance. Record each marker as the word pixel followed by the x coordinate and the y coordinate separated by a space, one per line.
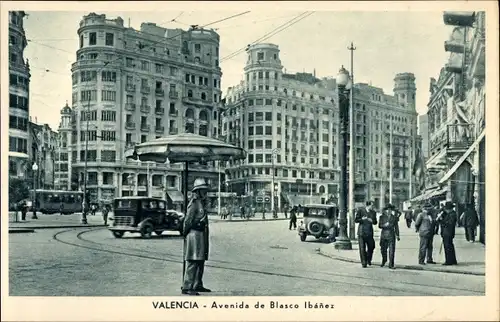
pixel 147 231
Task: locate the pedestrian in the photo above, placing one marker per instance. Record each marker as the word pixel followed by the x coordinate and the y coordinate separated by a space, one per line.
pixel 425 226
pixel 242 212
pixel 416 211
pixel 24 210
pixel 447 219
pixel 388 222
pixel 285 209
pixel 366 218
pixel 408 217
pixel 470 221
pixel 105 211
pixel 196 242
pixel 263 211
pixel 293 218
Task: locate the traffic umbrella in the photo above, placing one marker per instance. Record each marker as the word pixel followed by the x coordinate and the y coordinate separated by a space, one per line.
pixel 185 148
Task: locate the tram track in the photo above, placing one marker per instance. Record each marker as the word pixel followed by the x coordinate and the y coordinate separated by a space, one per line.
pixel 232 266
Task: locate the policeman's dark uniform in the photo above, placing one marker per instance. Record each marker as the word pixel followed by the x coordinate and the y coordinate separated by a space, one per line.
pixel 365 233
pixel 388 222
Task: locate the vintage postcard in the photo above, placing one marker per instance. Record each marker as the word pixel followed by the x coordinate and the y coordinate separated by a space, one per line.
pixel 250 161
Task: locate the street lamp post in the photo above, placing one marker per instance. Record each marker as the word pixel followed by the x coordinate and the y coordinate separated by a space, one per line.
pixel 343 83
pixel 274 153
pixel 35 169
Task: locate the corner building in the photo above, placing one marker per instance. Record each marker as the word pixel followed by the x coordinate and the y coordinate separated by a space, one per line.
pixel 293 115
pixel 133 86
pixel 19 79
pixel 296 117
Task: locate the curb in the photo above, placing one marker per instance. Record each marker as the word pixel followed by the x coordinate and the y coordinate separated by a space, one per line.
pixel 251 220
pixel 58 227
pixel 406 267
pixel 20 230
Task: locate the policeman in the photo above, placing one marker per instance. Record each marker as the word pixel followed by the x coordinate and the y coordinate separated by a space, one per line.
pixel 196 239
pixel 388 222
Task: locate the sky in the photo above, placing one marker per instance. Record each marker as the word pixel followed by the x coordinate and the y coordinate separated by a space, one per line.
pixel 387 43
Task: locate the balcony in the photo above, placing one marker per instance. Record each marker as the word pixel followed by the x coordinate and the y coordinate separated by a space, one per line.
pixel 130 107
pixel 454 46
pixel 460 136
pixel 145 108
pixel 173 130
pixel 129 145
pixel 160 129
pixel 173 94
pixel 173 113
pixel 195 100
pixel 159 92
pixel 145 127
pixel 303 152
pixel 130 125
pixel 145 89
pixel 130 88
pixel 303 126
pixel 295 138
pixel 159 111
pixel 459 18
pixel 295 151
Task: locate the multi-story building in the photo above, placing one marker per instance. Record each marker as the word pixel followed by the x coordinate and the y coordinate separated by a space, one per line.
pixel 289 123
pixel 423 131
pixel 456 116
pixel 133 86
pixel 380 118
pixel 19 79
pixel 63 151
pixel 43 146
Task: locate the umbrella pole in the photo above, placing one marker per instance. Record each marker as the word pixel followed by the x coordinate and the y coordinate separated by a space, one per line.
pixel 185 213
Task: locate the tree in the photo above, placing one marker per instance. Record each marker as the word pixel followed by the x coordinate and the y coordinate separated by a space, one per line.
pixel 18 189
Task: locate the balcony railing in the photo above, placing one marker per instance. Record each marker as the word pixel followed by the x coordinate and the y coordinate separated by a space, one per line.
pixel 130 107
pixel 145 89
pixel 159 111
pixel 172 113
pixel 130 126
pixel 172 130
pixel 173 94
pixel 129 145
pixel 159 92
pixel 160 129
pixel 460 136
pixel 130 88
pixel 145 127
pixel 145 108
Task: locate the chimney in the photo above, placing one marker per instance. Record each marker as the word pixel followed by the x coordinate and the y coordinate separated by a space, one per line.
pixel 314 72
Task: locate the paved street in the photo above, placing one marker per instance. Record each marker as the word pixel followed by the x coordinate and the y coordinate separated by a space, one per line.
pixel 246 259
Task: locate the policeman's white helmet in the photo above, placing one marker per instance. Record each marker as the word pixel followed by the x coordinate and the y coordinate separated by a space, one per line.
pixel 199 183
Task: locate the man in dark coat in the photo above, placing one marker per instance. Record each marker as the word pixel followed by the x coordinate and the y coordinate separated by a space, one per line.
pixel 425 226
pixel 388 222
pixel 293 218
pixel 470 221
pixel 447 219
pixel 409 217
pixel 366 218
pixel 196 239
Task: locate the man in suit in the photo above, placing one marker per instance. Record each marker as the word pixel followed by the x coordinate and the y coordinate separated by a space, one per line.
pixel 196 239
pixel 388 222
pixel 447 219
pixel 425 226
pixel 470 221
pixel 366 218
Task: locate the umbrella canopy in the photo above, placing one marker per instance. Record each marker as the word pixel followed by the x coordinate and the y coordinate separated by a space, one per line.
pixel 185 147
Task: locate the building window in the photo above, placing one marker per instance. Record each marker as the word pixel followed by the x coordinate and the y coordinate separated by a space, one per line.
pixel 88 76
pixel 258 130
pixel 197 48
pixel 190 93
pixel 269 130
pixel 108 96
pixel 109 116
pixel 108 155
pixel 260 56
pixel 92 39
pixel 110 39
pixel 107 76
pixel 144 138
pixel 269 116
pixel 88 115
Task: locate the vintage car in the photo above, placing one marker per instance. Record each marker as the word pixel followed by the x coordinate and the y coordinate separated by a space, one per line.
pixel 319 221
pixel 144 215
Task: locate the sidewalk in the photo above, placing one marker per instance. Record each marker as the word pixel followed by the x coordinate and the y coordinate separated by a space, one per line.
pixel 470 256
pixel 74 221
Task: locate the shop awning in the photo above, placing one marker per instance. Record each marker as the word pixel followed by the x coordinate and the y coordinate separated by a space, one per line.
pixel 462 158
pixel 176 196
pixel 433 192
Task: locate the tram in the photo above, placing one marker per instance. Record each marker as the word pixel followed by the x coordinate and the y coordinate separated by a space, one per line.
pixel 58 201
